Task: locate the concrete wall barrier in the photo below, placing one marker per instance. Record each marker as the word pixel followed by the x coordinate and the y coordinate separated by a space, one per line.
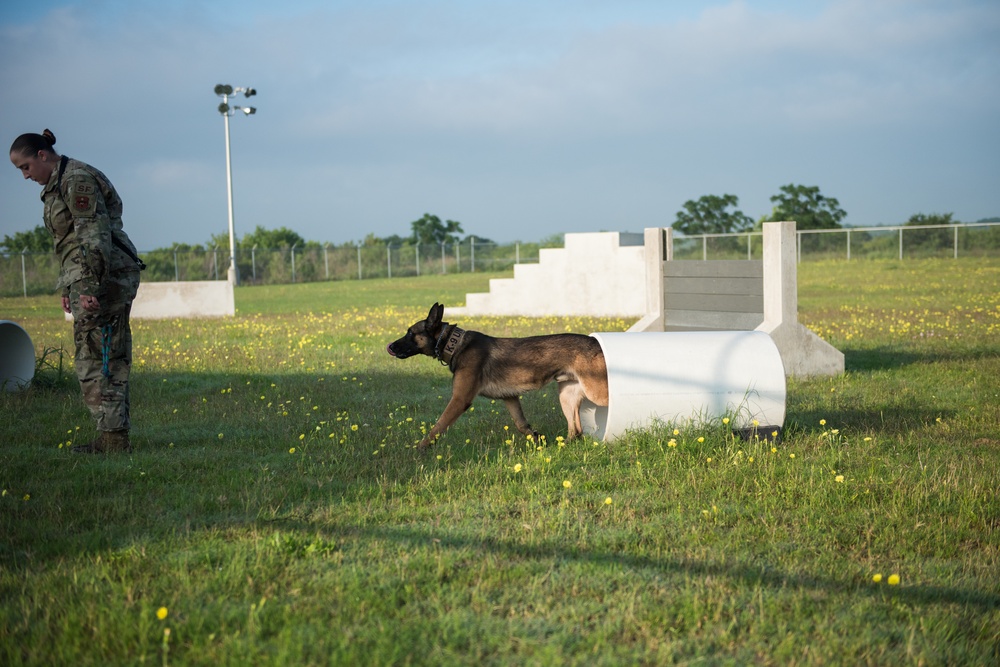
pixel 196 298
pixel 686 295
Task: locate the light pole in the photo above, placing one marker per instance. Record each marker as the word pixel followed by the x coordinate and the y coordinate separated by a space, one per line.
pixel 224 91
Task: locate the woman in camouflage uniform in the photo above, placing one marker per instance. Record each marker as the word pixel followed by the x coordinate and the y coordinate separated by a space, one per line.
pixel 98 278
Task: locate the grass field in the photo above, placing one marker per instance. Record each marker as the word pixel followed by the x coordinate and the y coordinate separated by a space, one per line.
pixel 275 512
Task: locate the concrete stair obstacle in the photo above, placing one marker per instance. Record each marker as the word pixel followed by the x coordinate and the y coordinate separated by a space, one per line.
pixel 595 274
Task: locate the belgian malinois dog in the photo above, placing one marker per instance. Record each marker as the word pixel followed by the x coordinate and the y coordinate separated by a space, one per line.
pixel 505 368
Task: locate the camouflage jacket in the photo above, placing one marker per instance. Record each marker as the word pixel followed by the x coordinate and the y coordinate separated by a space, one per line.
pixel 83 212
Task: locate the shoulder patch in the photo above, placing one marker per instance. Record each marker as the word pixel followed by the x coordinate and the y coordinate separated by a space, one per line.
pixel 83 197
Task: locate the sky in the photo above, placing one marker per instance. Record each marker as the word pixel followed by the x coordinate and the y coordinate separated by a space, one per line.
pixel 520 119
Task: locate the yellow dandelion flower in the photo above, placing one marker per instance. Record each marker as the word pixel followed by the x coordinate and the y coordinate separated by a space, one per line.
pixel 839 479
pixel 291 450
pixel 893 579
pixel 567 484
pixel 161 613
pixel 876 578
pixel 822 422
pixel 791 456
pixel 607 501
pixel 701 439
pixel 517 467
pixel 725 420
pixel 672 443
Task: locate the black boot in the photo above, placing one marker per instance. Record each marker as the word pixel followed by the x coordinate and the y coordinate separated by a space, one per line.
pixel 106 442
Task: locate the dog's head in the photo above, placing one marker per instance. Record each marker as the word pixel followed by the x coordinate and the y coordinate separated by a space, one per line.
pixel 421 337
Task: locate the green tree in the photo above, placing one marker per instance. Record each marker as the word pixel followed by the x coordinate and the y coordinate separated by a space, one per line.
pixel 930 240
pixel 36 240
pixel 429 230
pixel 921 220
pixel 709 215
pixel 282 237
pixel 807 207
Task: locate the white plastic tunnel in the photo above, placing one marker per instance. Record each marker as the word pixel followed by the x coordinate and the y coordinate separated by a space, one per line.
pixel 17 357
pixel 687 377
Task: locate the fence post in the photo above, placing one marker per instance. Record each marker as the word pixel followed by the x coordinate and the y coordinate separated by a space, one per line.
pixel 848 245
pixel 293 260
pixel 517 252
pixel 472 248
pixel 24 274
pixel 442 259
pixel 416 250
pixel 215 260
pixel 901 243
pixel 749 253
pixel 704 248
pixel 388 258
pixel 326 260
pixel 359 261
pixel 956 242
pixel 458 256
pixel 253 262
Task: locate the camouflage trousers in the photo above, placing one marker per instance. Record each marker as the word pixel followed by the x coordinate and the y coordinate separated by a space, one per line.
pixel 104 351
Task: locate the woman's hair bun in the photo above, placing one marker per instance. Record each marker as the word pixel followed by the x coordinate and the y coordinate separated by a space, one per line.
pixel 47 133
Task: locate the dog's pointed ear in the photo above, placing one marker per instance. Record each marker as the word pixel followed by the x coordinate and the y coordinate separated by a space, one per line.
pixel 435 315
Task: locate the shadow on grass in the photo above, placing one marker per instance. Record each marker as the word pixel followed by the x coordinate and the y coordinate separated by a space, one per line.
pixel 886 420
pixel 884 358
pixel 746 574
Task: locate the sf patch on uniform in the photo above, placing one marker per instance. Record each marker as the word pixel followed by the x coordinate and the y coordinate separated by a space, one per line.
pixel 84 201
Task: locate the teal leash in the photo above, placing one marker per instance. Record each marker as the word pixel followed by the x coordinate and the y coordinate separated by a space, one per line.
pixel 105 349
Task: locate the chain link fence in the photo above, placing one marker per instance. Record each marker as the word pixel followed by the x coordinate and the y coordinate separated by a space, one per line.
pixel 36 273
pixel 980 239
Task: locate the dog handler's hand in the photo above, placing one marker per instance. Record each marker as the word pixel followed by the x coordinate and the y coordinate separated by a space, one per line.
pixel 65 305
pixel 89 303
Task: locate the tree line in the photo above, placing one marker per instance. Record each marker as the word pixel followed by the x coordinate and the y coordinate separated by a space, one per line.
pixel 710 214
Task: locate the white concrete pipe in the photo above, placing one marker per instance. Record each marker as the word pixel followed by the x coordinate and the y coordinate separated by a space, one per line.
pixel 688 377
pixel 17 357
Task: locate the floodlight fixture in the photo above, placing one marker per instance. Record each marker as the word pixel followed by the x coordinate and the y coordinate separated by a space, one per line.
pixel 224 91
